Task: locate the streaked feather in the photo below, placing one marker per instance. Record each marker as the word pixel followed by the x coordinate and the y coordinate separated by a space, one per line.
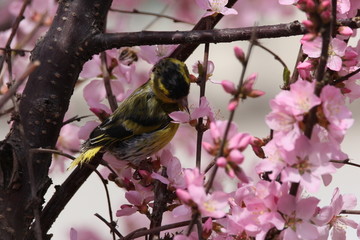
pixel 141 126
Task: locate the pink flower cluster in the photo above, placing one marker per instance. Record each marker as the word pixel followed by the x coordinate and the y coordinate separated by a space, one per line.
pixel 308 124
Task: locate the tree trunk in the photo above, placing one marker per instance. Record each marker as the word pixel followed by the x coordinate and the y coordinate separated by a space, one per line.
pixel 62 53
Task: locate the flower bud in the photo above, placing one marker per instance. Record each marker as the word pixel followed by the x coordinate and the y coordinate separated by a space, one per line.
pixel 228 86
pixel 233 105
pixel 240 55
pixel 345 31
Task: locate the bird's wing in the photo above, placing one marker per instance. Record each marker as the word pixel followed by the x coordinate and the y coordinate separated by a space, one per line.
pixel 140 113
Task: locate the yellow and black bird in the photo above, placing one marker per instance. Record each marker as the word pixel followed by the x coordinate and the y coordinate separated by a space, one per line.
pixel 141 125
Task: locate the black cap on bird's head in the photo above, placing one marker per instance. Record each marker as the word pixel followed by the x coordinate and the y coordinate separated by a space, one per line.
pixel 171 80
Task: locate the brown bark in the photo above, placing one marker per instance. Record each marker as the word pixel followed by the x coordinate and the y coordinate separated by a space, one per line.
pixel 62 53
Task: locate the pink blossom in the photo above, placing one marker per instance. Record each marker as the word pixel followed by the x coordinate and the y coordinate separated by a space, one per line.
pixel 306 165
pixel 68 142
pixel 68 139
pixel 236 143
pixel 85 130
pixel 211 205
pixel 181 210
pixel 124 172
pixel 242 220
pixel 337 49
pixel 73 234
pixel 288 109
pixel 328 147
pixel 198 68
pixel 299 100
pixel 305 69
pixel 139 200
pixel 287 2
pixel 298 214
pixel 354 85
pixel 343 6
pixel 91 68
pixel 255 209
pixel 95 91
pixel 207 226
pixel 174 171
pixel 274 162
pixel 122 62
pixel 152 54
pixel 213 138
pixel 247 88
pixel 312 48
pixel 193 177
pixel 330 215
pixel 204 110
pixel 337 114
pixel 354 7
pixel 215 7
pixel 101 111
pixel 350 59
pixel 84 234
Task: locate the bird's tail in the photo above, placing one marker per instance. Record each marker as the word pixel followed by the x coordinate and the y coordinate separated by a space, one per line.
pixel 85 157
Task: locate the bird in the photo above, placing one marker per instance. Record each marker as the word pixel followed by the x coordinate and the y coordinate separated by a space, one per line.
pixel 141 125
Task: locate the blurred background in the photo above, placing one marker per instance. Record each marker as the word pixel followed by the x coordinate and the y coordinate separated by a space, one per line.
pixel 79 213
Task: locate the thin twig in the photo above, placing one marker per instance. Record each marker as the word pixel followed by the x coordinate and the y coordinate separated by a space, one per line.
pixel 159 15
pixel 277 57
pixel 16 50
pixel 35 199
pixel 321 68
pixel 53 151
pixel 139 233
pixel 31 34
pixel 356 212
pixel 162 197
pixel 199 228
pixel 232 113
pixel 110 225
pixel 75 118
pixel 108 166
pixel 346 162
pixel 156 19
pixel 319 76
pixel 10 93
pixel 65 192
pixel 14 29
pixel 333 18
pixel 106 77
pixel 192 222
pixel 7 111
pixel 346 77
pixel 300 58
pixel 200 124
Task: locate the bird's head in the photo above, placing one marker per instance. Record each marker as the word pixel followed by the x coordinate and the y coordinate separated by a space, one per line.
pixel 170 81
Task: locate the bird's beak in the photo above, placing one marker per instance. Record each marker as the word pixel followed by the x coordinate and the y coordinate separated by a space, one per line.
pixel 183 102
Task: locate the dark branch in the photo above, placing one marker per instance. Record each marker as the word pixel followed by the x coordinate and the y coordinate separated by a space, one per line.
pixel 64 193
pixel 117 40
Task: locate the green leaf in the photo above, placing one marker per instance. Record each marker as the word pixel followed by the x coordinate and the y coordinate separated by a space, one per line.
pixel 286 76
